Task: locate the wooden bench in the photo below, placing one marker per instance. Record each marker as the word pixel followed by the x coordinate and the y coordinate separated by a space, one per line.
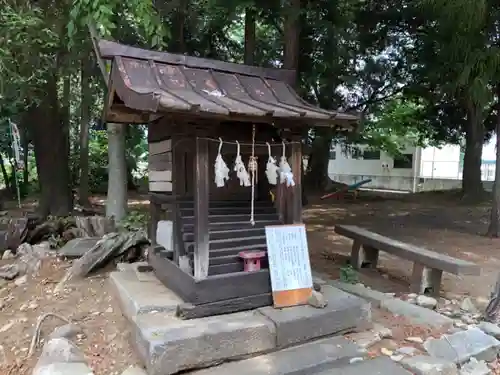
pixel 428 266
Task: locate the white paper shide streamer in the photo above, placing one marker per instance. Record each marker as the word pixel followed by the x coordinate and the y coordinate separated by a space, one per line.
pixel 239 168
pixel 286 175
pixel 271 168
pixel 221 169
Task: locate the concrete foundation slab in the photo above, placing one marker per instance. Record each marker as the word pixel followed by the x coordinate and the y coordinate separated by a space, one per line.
pixel 344 312
pixel 139 297
pixel 168 345
pixel 303 359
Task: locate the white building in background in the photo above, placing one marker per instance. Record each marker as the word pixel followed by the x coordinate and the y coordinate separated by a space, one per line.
pixel 417 169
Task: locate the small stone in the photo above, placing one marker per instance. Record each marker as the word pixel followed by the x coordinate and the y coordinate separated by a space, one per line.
pixel 425 365
pixel 426 301
pixel 412 295
pixel 468 319
pixel 459 324
pixel 33 306
pixel 397 357
pixel 317 300
pixel 407 350
pixel 21 280
pixel 390 294
pixel 109 310
pixel 365 339
pixel 383 332
pixel 386 352
pixel 7 254
pixel 416 340
pixel 356 359
pixel 468 306
pixel 6 327
pixel 317 286
pixel 67 331
pixel 59 350
pixel 23 307
pixel 490 329
pixel 475 367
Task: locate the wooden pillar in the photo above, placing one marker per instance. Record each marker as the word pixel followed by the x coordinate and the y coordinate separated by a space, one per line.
pixel 296 165
pixel 201 203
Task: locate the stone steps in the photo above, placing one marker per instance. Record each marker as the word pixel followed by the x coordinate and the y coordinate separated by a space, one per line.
pixel 167 344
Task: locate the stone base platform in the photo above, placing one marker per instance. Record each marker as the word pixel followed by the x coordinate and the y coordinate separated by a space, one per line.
pixel 168 344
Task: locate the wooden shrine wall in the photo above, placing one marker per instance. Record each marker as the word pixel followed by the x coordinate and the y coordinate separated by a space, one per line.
pixel 160 158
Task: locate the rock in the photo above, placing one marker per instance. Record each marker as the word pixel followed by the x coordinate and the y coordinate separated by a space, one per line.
pixel 490 329
pixel 134 371
pixel 407 350
pixel 7 254
pixel 383 332
pixel 317 286
pixel 67 331
pixel 78 246
pixel 33 306
pixel 9 271
pixel 63 369
pixel 468 319
pixel 109 310
pixel 6 327
pixel 60 350
pixel 397 357
pixel 461 346
pixel 356 359
pixel 475 367
pixel 21 280
pixel 365 339
pixel 317 300
pixel 416 340
pixel 468 306
pixel 427 302
pixel 386 352
pixel 459 324
pixel 425 365
pixel 412 295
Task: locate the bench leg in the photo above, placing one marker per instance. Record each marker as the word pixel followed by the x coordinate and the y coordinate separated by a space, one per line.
pixel 426 280
pixel 363 256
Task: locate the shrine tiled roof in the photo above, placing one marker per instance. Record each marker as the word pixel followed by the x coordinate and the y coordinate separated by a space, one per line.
pixel 159 82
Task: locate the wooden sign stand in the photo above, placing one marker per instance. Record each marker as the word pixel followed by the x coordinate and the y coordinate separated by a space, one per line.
pixel 289 265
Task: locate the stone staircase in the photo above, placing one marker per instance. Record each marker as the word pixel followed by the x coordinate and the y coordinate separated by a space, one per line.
pixel 230 231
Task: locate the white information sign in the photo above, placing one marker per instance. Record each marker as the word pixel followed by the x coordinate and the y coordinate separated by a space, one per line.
pixel 288 256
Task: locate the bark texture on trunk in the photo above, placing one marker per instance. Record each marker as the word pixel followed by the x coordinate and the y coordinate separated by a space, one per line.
pixel 316 178
pixel 86 97
pixel 249 36
pixel 472 186
pixel 51 142
pixel 116 203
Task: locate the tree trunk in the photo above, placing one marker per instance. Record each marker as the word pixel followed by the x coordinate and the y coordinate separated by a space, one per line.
pixel 116 203
pixel 494 227
pixel 316 178
pixel 5 174
pixel 249 36
pixel 472 186
pixel 178 44
pixel 86 97
pixel 51 150
pixel 291 35
pixel 26 142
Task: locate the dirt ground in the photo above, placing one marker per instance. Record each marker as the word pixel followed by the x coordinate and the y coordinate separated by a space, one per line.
pixel 434 221
pixel 438 222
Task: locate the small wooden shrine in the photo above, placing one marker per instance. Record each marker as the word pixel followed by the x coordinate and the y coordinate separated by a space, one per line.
pixel 198 109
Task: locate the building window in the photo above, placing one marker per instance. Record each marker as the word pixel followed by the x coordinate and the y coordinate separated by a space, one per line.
pixel 356 153
pixel 371 155
pixel 404 161
pixel 333 155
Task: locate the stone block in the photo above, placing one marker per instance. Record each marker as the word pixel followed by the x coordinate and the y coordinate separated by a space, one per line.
pixel 78 246
pixel 140 297
pixel 373 296
pixel 461 346
pixel 297 324
pixel 63 369
pixel 426 365
pixel 376 366
pixel 416 314
pixel 303 359
pixel 168 345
